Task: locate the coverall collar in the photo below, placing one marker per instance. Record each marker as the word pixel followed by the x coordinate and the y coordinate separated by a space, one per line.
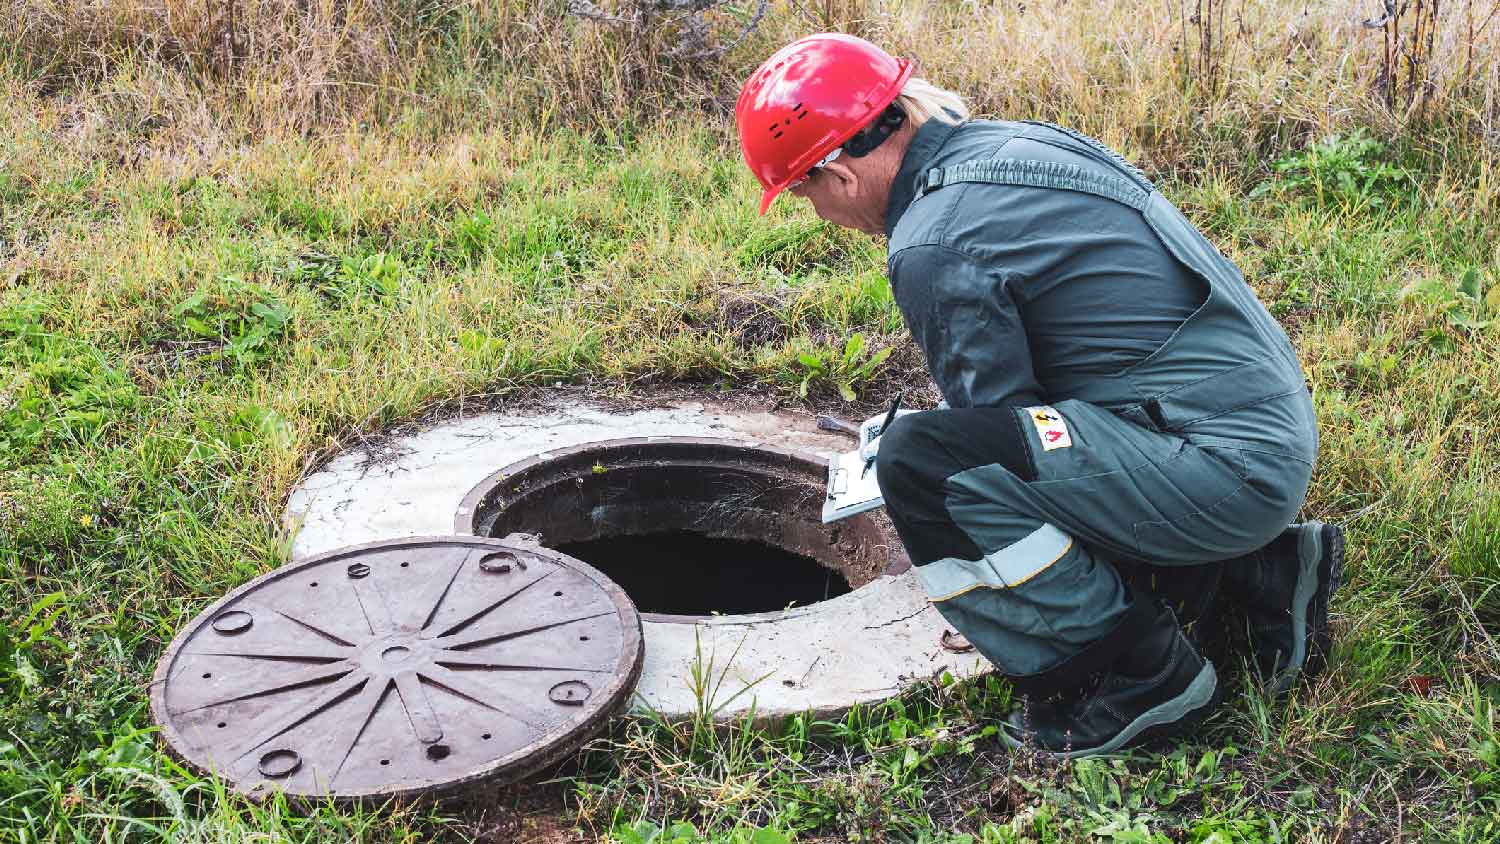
pixel 925 144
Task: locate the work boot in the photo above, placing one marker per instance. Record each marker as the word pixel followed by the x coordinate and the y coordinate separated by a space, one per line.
pixel 1160 687
pixel 1192 593
pixel 1283 591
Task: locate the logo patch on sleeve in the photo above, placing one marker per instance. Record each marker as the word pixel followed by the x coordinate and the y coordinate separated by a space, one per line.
pixel 1050 427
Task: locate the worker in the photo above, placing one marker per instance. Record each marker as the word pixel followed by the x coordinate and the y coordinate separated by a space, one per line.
pixel 1115 397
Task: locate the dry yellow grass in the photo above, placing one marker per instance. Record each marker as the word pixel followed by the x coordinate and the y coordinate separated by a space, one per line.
pixel 1168 78
pixel 1177 84
pixel 269 63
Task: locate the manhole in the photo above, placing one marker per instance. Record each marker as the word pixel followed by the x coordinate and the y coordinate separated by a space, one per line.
pixel 399 669
pixel 688 527
pixel 821 657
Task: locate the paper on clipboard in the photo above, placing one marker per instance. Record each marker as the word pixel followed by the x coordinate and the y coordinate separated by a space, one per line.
pixel 851 489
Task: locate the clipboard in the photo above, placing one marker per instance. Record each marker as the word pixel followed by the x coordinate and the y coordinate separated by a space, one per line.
pixel 851 489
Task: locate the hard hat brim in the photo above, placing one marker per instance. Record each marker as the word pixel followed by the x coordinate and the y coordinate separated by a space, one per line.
pixel 767 197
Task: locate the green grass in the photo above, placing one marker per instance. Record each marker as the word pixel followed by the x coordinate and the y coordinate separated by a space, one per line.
pixel 182 338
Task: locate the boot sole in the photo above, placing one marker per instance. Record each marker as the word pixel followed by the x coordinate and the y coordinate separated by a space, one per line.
pixel 1192 705
pixel 1322 554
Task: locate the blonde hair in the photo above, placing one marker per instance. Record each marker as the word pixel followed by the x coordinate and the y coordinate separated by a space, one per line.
pixel 923 101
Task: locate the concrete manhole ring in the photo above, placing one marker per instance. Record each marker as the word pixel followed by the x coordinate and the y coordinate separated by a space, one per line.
pixel 858 647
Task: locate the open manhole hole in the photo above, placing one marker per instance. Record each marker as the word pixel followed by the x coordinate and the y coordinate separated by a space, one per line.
pixel 688 527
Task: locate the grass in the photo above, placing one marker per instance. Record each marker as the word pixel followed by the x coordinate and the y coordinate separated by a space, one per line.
pixel 213 278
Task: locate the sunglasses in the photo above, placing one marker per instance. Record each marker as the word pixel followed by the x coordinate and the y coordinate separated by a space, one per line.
pixel 816 167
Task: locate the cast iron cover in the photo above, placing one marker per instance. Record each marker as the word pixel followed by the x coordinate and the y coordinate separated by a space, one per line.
pixel 399 669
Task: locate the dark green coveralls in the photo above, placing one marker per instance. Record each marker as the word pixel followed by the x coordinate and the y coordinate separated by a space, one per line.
pixel 1117 394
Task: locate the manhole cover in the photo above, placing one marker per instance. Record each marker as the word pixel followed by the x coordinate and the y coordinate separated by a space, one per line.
pixel 403 668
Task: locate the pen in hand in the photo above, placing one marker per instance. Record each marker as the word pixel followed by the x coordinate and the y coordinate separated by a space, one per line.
pixel 890 417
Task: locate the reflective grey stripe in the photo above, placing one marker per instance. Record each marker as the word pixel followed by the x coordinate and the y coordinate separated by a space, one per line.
pixel 1038 174
pixel 1009 567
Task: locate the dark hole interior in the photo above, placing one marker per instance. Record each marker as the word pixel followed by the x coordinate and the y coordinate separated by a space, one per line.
pixel 686 573
pixel 688 528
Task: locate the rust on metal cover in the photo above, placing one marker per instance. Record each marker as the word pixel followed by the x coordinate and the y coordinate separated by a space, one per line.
pixel 403 669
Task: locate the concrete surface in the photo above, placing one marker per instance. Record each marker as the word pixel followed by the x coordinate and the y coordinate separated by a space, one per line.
pixel 857 648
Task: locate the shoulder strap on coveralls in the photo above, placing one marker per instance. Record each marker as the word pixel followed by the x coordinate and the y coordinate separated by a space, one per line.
pixel 1132 188
pixel 1098 150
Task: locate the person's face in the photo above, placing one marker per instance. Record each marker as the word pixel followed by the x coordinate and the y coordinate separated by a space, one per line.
pixel 853 192
pixel 835 193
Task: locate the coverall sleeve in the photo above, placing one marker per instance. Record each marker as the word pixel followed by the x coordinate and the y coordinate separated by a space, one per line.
pixel 962 314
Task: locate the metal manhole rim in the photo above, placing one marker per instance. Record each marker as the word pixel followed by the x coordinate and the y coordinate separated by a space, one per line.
pixel 469 507
pixel 463 520
pixel 563 739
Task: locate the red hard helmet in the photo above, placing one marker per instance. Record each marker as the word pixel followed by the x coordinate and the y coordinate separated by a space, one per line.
pixel 807 99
